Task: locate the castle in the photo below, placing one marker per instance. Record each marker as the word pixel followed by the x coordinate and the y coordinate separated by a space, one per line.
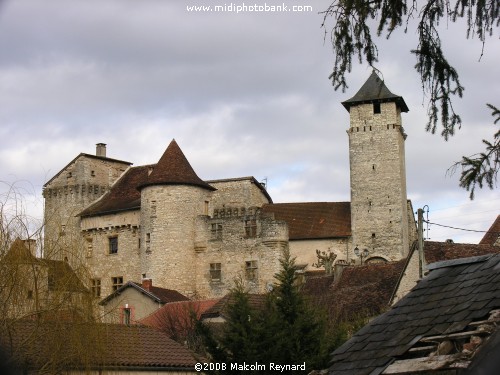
pixel 162 222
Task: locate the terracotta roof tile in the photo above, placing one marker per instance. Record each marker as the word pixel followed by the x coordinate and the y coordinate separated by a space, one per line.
pixel 161 295
pixel 439 251
pixel 313 219
pixel 256 301
pixel 493 234
pixel 112 345
pixel 360 290
pixel 123 194
pixel 174 169
pixel 175 318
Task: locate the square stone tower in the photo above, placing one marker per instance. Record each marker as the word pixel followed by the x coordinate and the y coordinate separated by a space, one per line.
pixel 379 214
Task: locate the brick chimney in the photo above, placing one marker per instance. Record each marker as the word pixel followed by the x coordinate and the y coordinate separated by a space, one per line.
pixel 100 149
pixel 147 284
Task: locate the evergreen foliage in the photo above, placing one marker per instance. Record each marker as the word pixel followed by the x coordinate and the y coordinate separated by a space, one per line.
pixel 351 35
pixel 284 331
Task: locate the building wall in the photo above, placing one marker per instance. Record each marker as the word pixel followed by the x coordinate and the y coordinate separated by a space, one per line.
pixel 79 184
pixel 238 192
pixel 168 220
pixel 237 243
pixel 305 250
pixel 140 305
pixel 379 216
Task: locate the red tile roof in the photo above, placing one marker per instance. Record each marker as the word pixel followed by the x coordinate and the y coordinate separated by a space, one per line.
pixel 256 301
pixel 439 251
pixel 313 219
pixel 360 290
pixel 492 234
pixel 174 169
pixel 175 318
pixel 98 346
pixel 123 194
pixel 161 295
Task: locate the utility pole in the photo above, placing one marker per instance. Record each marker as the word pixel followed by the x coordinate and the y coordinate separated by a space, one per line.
pixel 420 229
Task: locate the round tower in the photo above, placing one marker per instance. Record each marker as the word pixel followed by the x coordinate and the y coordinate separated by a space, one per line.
pixel 171 199
pixel 379 214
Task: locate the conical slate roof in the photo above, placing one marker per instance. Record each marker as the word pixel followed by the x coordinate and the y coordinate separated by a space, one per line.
pixel 375 90
pixel 174 169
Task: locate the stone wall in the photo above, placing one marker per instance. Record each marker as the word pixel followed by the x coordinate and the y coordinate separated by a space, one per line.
pixel 305 250
pixel 75 187
pixel 379 216
pixel 140 305
pixel 243 246
pixel 238 192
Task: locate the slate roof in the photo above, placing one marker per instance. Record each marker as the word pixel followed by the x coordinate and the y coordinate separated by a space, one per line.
pixel 493 234
pixel 375 90
pixel 174 169
pixel 452 296
pixel 313 219
pixel 104 346
pixel 161 295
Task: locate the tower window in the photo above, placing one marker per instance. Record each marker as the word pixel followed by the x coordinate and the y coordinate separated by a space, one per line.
pixel 95 287
pixel 251 270
pixel 376 107
pixel 215 272
pixel 116 282
pixel 250 228
pixel 113 245
pixel 216 231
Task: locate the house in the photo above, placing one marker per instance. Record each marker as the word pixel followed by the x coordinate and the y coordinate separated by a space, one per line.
pixel 32 286
pixel 163 222
pixel 132 301
pixel 443 325
pixel 54 347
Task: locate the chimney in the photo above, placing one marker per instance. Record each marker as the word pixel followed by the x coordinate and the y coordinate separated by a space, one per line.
pixel 100 149
pixel 147 284
pixel 338 269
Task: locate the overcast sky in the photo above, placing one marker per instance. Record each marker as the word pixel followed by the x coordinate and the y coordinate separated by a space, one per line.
pixel 242 93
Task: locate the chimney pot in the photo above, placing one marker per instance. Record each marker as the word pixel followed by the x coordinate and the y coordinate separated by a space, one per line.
pixel 100 149
pixel 147 284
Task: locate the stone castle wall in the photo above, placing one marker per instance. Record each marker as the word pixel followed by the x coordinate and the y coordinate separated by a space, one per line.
pixel 168 218
pixel 79 184
pixel 238 244
pixel 378 181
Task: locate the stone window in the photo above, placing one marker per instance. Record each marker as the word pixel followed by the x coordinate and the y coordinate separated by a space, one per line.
pixel 216 231
pixel 116 282
pixel 205 208
pixel 251 270
pixel 95 287
pixel 30 294
pixel 376 107
pixel 250 228
pixel 215 272
pixel 90 247
pixel 113 245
